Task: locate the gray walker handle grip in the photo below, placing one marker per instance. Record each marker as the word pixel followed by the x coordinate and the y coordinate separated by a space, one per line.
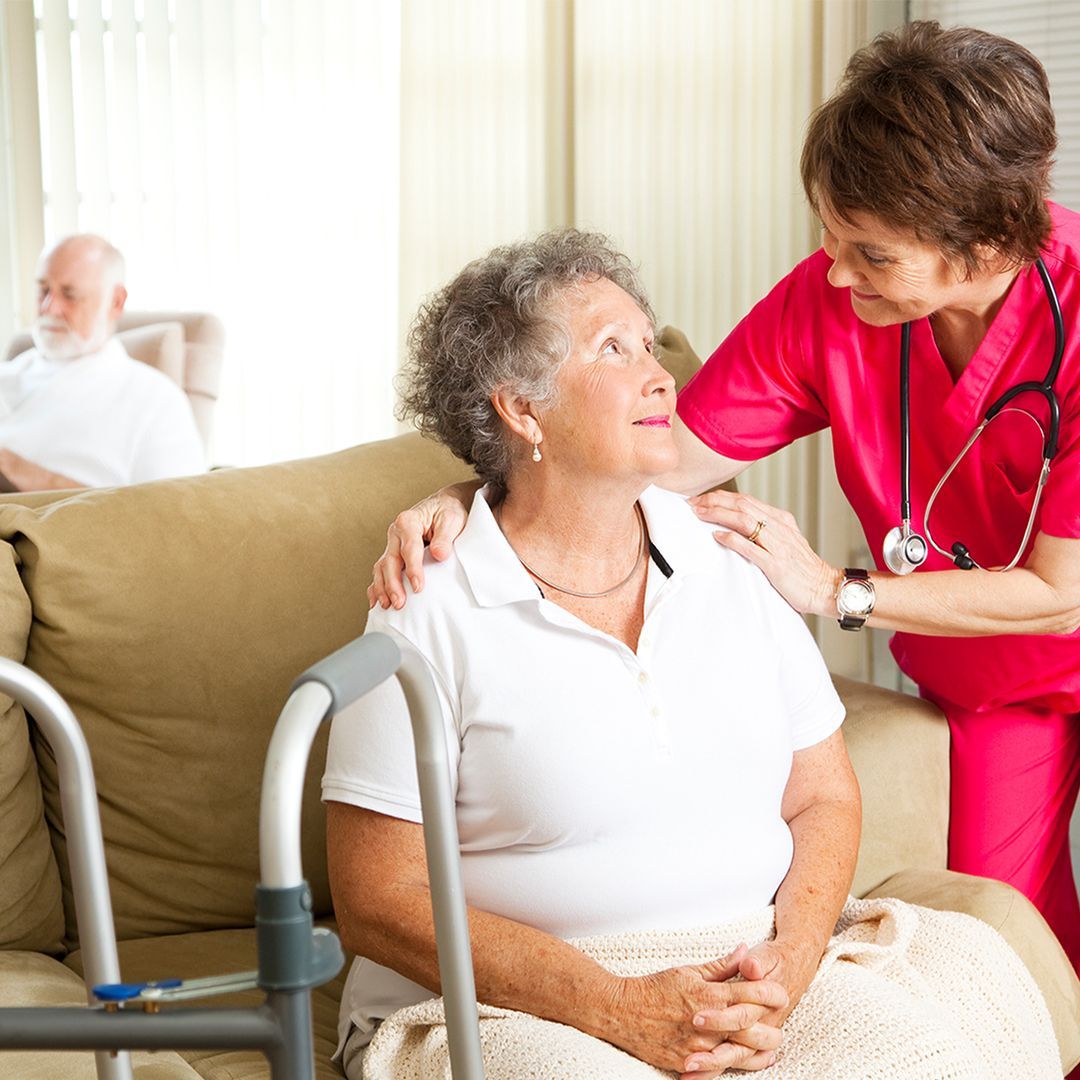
pixel 354 669
pixel 347 675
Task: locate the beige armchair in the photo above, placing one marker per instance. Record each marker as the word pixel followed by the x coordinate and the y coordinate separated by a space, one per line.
pixel 188 346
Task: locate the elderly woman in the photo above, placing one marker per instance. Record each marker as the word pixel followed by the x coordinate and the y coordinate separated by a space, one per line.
pixel 576 636
pixel 941 267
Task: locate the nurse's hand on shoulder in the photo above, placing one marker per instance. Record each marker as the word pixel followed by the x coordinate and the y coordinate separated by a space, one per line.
pixel 770 538
pixel 437 522
pixel 653 1018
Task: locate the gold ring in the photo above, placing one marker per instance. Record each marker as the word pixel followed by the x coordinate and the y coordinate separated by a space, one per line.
pixel 757 532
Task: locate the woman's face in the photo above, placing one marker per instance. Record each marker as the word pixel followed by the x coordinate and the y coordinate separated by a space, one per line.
pixel 893 277
pixel 613 415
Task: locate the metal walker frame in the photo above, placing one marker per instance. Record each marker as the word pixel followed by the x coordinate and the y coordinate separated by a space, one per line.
pixel 293 955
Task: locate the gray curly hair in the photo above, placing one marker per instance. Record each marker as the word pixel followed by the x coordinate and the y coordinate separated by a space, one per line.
pixel 499 324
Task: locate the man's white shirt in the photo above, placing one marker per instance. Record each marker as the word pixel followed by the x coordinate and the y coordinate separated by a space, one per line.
pixel 102 419
pixel 599 789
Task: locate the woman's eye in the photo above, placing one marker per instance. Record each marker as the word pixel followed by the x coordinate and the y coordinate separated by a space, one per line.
pixel 610 347
pixel 874 260
pixel 649 346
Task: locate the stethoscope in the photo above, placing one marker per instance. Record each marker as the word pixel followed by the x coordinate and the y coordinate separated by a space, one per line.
pixel 905 550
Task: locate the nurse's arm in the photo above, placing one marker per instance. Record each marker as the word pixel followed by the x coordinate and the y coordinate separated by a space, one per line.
pixel 700 467
pixel 1041 597
pixel 382 901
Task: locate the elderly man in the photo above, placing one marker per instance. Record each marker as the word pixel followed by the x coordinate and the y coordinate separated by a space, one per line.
pixel 76 410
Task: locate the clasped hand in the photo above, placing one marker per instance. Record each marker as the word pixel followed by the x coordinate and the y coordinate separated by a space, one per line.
pixel 702 1020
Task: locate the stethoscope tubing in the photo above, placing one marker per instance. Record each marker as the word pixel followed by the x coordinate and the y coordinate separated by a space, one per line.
pixel 1045 389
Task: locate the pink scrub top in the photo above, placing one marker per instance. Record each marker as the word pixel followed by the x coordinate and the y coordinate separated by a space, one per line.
pixel 801 361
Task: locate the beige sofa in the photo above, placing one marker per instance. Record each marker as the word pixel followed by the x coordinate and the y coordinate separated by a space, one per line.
pixel 173 617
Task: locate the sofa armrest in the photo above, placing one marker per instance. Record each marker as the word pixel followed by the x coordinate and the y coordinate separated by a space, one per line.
pixel 1018 921
pixel 899 746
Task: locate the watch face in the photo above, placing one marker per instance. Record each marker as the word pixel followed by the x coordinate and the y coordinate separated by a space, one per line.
pixel 855 598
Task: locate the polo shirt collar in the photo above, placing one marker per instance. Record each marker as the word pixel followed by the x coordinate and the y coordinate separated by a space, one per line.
pixel 677 532
pixel 493 571
pixel 497 577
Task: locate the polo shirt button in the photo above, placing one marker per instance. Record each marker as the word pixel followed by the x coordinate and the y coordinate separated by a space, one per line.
pixel 643 677
pixel 656 710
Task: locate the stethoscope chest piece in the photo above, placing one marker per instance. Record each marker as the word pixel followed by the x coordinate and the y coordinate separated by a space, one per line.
pixel 904 550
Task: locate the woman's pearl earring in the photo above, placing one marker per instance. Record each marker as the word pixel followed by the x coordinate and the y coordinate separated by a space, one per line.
pixel 536 455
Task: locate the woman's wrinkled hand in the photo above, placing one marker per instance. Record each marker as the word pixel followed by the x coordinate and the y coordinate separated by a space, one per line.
pixel 786 964
pixel 653 1017
pixel 436 521
pixel 778 548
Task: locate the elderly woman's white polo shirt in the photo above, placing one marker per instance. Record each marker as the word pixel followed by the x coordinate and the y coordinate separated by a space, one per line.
pixel 598 789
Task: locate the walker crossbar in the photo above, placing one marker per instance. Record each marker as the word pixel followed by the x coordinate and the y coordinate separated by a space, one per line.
pixel 294 956
pixel 97 1029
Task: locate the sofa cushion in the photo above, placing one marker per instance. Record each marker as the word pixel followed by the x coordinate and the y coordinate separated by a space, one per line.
pixel 905 809
pixel 29 979
pixel 173 617
pixel 30 913
pixel 193 956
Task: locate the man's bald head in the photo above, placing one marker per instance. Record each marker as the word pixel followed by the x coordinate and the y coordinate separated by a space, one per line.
pixel 81 295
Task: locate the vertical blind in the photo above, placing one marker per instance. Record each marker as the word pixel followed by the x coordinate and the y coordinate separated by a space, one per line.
pixel 244 157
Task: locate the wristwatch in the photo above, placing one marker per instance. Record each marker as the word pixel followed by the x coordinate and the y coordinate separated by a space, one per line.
pixel 855 598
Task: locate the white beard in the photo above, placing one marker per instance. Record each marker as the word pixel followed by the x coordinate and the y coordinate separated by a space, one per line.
pixel 55 340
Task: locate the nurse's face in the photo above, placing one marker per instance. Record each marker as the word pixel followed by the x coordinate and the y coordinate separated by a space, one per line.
pixel 892 277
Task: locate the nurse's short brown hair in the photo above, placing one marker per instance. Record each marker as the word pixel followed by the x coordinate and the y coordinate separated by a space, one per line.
pixel 945 133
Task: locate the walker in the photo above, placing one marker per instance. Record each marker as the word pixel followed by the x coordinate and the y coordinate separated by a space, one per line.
pixel 293 955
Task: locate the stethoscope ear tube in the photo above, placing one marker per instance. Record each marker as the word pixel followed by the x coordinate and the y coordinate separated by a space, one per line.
pixel 905 422
pixel 903 549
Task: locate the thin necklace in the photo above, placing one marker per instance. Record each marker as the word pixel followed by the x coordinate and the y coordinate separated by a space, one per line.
pixel 643 544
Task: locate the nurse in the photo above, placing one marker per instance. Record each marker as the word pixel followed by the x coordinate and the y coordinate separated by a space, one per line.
pixel 929 169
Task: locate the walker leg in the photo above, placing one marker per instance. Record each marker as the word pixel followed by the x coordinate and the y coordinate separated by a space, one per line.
pixel 294 1057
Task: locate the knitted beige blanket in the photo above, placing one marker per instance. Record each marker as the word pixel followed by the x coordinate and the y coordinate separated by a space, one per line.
pixel 902 991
